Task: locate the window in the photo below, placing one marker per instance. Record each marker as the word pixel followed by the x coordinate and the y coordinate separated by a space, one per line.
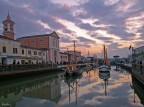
pixel 22 51
pixel 11 29
pixel 4 49
pixel 25 43
pixel 35 52
pixel 29 52
pixel 41 43
pixel 22 61
pixel 5 29
pixel 15 50
pixel 39 53
pixel 33 44
pixel 53 42
pixel 43 54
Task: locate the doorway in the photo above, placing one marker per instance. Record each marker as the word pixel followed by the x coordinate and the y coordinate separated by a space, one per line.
pixel 4 61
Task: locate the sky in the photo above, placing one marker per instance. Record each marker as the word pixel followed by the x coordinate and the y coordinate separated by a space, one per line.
pixel 91 23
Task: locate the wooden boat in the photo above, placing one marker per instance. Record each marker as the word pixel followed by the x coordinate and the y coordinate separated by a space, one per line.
pixel 73 70
pixel 104 70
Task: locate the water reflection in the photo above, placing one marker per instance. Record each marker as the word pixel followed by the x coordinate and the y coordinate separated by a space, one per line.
pixel 46 87
pixel 73 84
pixel 82 90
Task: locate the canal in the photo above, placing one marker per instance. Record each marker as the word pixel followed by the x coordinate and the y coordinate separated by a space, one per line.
pixel 86 90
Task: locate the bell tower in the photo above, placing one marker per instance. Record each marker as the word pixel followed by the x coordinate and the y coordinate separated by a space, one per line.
pixel 8 30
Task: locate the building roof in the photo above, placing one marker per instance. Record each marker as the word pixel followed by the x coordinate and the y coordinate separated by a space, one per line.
pixel 54 34
pixel 8 17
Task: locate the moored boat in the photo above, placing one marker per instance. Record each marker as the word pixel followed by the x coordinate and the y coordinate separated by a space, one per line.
pixel 73 70
pixel 104 70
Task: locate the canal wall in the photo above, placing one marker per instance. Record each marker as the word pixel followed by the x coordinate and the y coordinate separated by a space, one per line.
pixel 18 71
pixel 28 73
pixel 138 88
pixel 134 70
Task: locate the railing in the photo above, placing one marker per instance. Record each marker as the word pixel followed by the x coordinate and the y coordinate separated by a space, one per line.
pixel 20 67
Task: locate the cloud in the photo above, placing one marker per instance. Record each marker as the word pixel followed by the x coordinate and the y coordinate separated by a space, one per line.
pixel 85 40
pixel 94 22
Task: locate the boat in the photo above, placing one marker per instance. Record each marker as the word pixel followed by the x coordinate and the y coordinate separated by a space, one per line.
pixel 104 69
pixel 73 70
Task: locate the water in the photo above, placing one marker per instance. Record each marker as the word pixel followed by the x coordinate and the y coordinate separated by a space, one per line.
pixel 86 90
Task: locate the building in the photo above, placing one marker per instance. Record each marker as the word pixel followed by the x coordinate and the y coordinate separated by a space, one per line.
pixel 8 28
pixel 63 58
pixel 138 54
pixel 74 56
pixel 70 57
pixel 47 88
pixel 49 42
pixel 28 49
pixel 11 52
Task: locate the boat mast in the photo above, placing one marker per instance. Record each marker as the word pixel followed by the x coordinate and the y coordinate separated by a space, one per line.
pixel 74 62
pixel 104 55
pixel 74 53
pixel 68 56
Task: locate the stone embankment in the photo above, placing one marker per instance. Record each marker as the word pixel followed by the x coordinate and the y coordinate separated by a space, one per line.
pixel 15 71
pixel 136 70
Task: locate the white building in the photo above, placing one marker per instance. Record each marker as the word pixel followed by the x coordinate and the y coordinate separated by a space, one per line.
pixel 63 57
pixel 138 54
pixel 11 52
pixel 74 56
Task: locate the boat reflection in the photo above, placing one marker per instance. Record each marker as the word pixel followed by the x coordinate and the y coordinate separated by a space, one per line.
pixel 73 84
pixel 105 80
pixel 138 88
pixel 46 87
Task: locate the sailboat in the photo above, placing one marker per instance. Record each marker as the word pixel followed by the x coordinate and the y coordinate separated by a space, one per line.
pixel 104 70
pixel 68 71
pixel 73 70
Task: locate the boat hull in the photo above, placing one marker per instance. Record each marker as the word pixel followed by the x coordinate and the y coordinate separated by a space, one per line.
pixel 104 75
pixel 104 72
pixel 73 72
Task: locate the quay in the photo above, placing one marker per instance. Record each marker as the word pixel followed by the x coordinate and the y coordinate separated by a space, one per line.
pixel 135 71
pixel 15 71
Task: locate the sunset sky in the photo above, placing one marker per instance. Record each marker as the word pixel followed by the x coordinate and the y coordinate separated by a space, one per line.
pixel 92 23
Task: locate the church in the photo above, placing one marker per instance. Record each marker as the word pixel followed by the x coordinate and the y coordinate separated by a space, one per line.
pixel 28 49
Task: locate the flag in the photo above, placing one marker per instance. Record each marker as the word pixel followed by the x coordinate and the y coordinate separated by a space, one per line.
pixel 130 47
